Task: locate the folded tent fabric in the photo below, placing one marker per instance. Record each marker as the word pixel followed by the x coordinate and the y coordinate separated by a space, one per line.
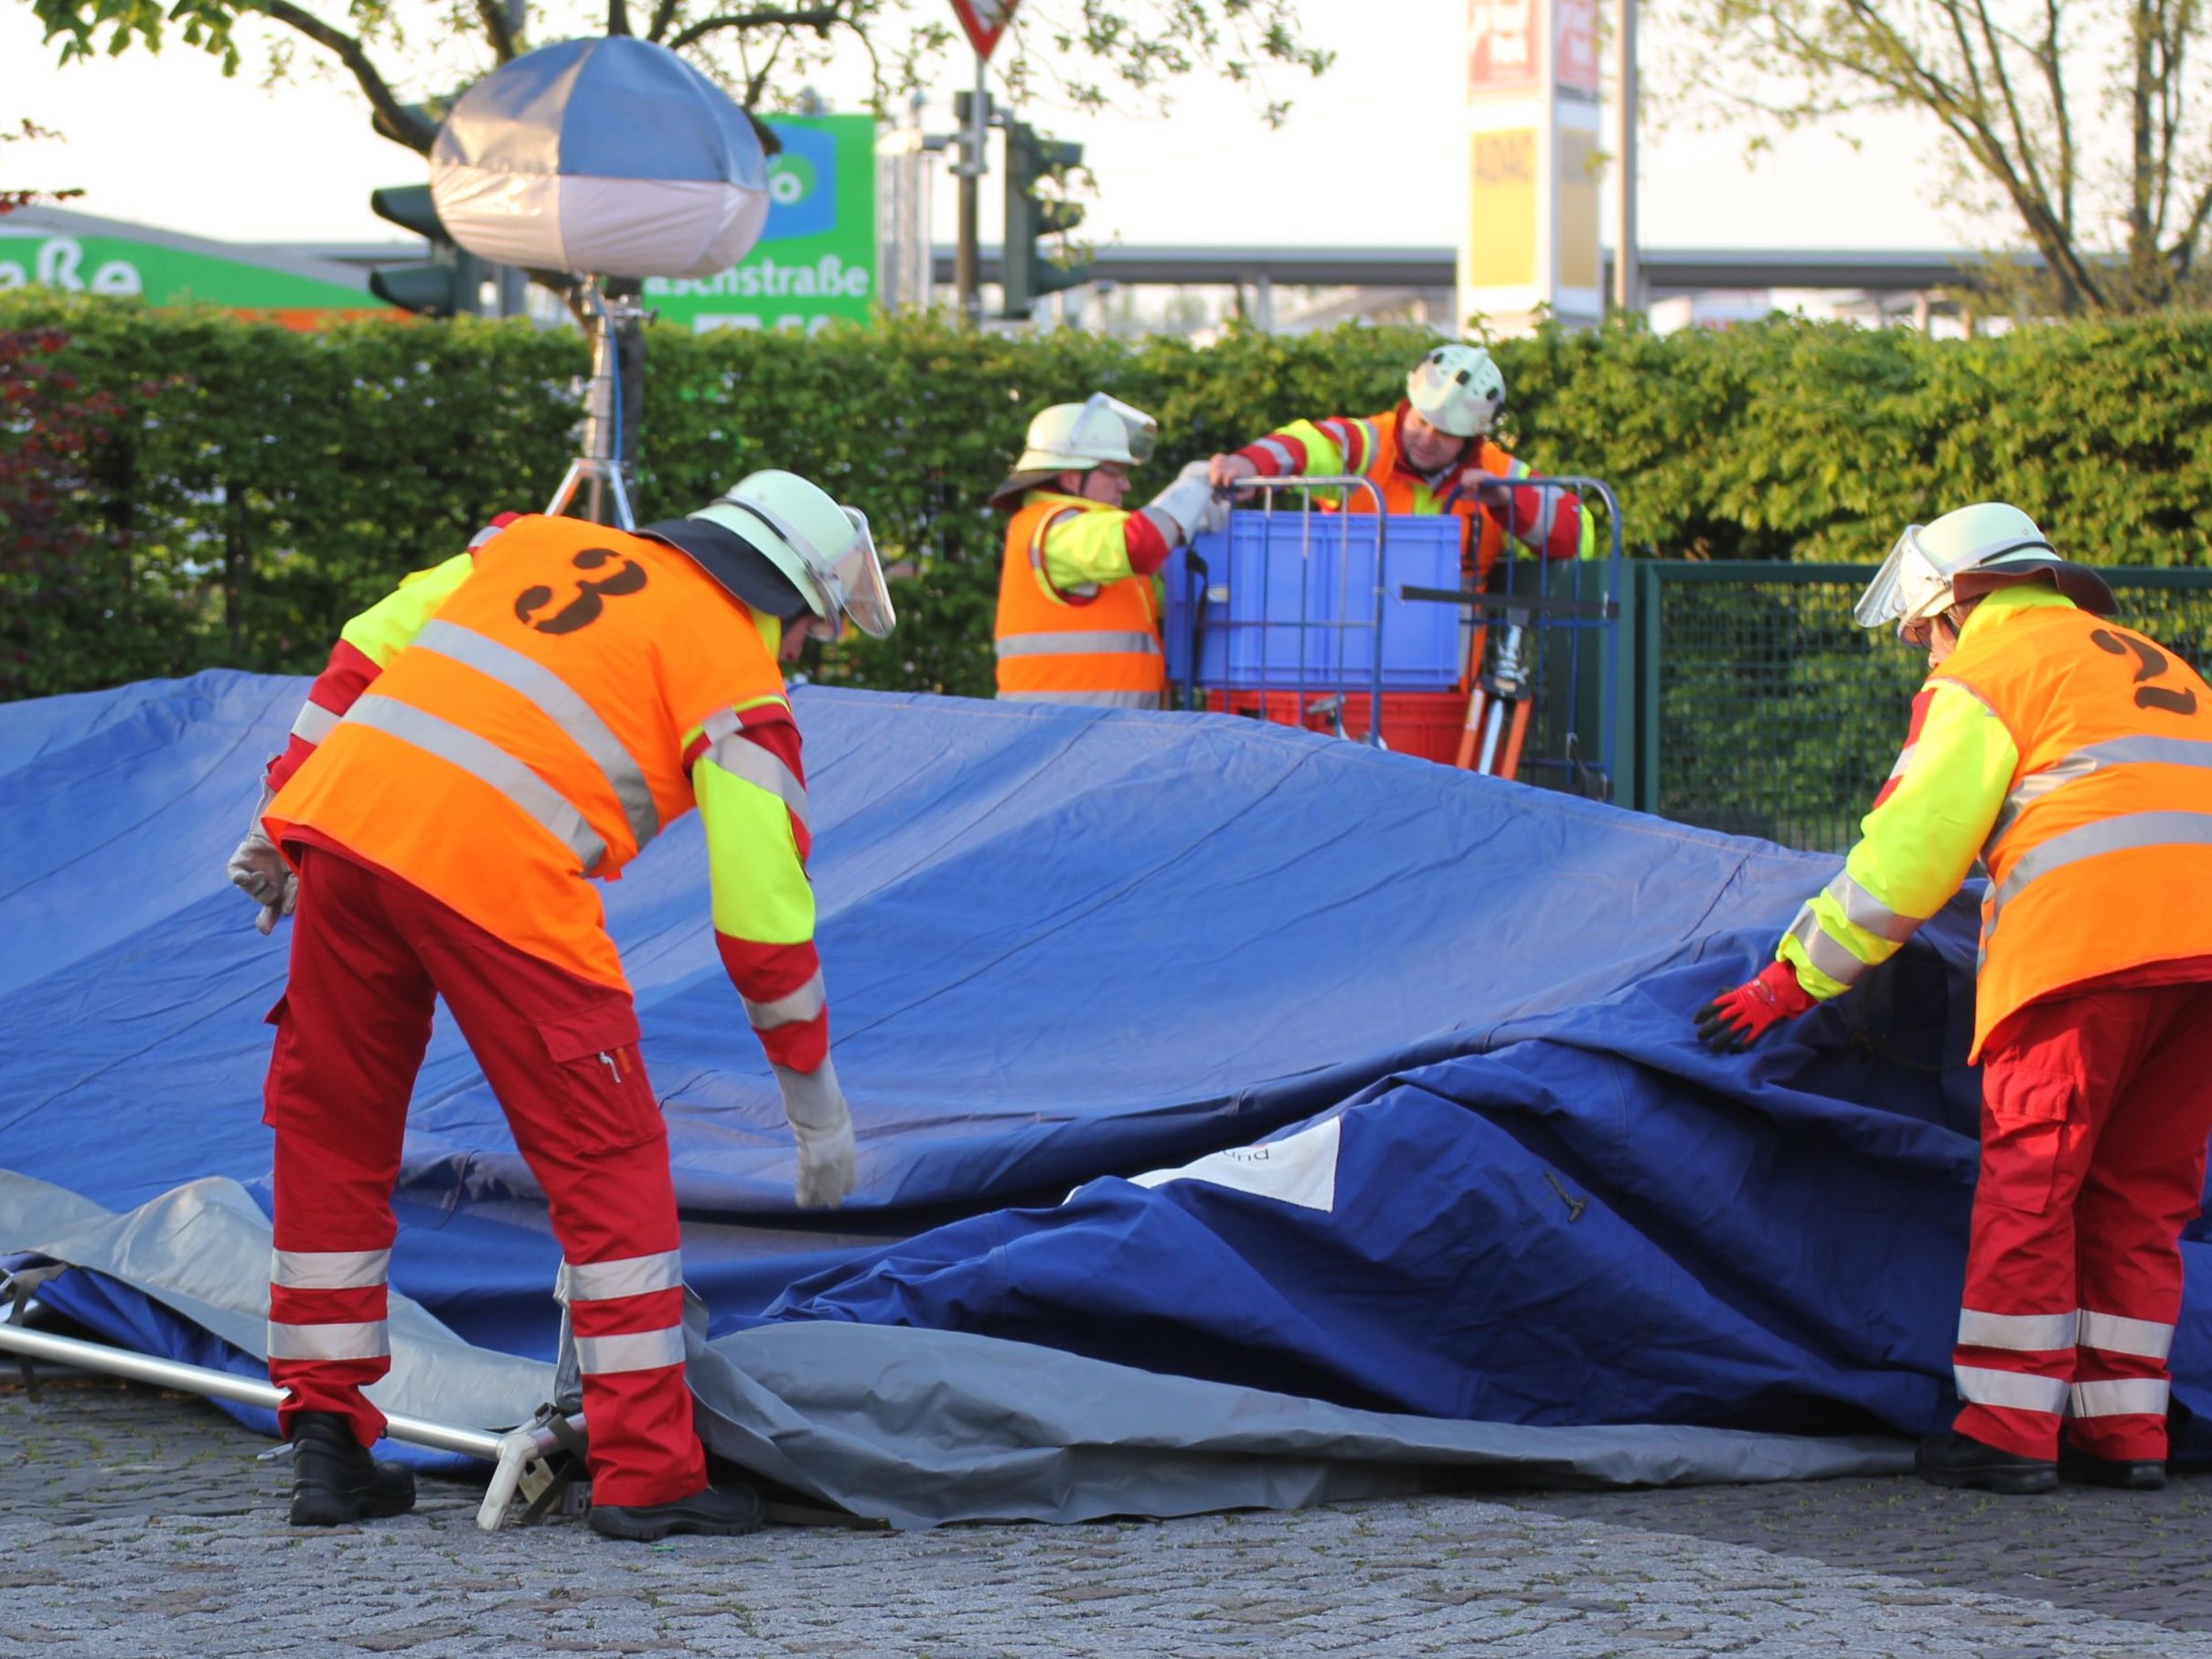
pixel 1055 983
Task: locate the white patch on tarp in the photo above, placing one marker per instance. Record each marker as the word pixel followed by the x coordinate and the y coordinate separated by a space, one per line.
pixel 1300 1169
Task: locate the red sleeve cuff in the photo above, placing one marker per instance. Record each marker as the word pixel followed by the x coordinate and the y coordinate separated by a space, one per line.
pixel 1147 548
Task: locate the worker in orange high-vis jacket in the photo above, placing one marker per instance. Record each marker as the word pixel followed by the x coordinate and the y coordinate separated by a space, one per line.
pixel 1432 454
pixel 522 717
pixel 1078 620
pixel 2073 757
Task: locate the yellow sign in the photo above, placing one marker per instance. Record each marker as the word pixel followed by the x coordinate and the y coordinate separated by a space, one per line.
pixel 1502 229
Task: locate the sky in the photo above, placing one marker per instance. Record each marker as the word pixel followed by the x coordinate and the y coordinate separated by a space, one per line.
pixel 1364 158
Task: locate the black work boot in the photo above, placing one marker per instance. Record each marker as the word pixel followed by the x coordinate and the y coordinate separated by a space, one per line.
pixel 2128 1474
pixel 717 1512
pixel 333 1479
pixel 1952 1459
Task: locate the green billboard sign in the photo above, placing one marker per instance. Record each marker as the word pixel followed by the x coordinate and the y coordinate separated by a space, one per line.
pixel 816 256
pixel 85 255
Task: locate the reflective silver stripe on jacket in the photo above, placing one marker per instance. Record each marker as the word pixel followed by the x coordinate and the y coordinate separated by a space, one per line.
pixel 1904 761
pixel 2022 1333
pixel 2123 834
pixel 2138 751
pixel 316 722
pixel 1081 642
pixel 630 1276
pixel 2121 1396
pixel 484 760
pixel 366 1340
pixel 1823 952
pixel 1861 909
pixel 328 1270
pixel 1285 462
pixel 559 703
pixel 793 1008
pixel 1096 699
pixel 1985 1387
pixel 1370 443
pixel 2111 1333
pixel 740 756
pixel 638 1350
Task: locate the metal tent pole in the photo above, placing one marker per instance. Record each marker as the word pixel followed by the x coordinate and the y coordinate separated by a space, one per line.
pixel 512 1452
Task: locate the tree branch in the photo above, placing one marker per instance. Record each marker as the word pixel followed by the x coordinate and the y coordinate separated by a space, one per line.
pixel 663 19
pixel 618 17
pixel 409 128
pixel 821 20
pixel 492 14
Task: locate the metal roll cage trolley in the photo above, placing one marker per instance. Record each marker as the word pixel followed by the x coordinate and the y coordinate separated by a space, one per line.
pixel 1317 666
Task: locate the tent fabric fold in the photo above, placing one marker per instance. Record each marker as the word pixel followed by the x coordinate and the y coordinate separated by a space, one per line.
pixel 1244 1116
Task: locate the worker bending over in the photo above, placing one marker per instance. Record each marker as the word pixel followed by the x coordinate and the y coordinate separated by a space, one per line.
pixel 1078 621
pixel 527 714
pixel 1432 454
pixel 2073 757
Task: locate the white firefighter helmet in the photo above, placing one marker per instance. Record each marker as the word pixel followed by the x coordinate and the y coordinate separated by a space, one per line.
pixel 1099 431
pixel 823 548
pixel 1457 389
pixel 1965 555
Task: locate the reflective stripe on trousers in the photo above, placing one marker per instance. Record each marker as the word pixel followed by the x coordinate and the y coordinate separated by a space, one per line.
pixel 367 1338
pixel 633 1351
pixel 328 1270
pixel 630 1276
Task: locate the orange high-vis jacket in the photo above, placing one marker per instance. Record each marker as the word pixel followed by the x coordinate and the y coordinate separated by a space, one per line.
pixel 2100 858
pixel 1549 522
pixel 1097 648
pixel 533 732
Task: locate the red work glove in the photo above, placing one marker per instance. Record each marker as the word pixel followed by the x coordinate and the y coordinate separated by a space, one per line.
pixel 1737 1018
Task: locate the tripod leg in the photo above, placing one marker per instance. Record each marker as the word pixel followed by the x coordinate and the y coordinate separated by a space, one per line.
pixel 1466 732
pixel 1510 764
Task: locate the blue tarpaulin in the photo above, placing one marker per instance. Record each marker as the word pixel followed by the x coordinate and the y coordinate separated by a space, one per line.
pixel 1184 1043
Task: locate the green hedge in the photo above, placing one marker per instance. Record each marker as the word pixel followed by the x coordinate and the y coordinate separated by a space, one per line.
pixel 258 485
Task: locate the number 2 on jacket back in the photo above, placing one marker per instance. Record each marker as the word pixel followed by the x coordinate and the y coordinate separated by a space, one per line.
pixel 591 598
pixel 2150 663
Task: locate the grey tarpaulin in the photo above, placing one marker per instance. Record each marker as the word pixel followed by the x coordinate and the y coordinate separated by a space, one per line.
pixel 921 1428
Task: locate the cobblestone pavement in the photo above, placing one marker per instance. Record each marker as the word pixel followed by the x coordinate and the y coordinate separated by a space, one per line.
pixel 138 1523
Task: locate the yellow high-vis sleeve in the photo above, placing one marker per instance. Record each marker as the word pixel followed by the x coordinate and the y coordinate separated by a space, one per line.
pixel 387 628
pixel 747 799
pixel 1087 548
pixel 1915 849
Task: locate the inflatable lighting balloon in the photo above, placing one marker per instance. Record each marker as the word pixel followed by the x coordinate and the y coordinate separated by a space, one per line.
pixel 607 157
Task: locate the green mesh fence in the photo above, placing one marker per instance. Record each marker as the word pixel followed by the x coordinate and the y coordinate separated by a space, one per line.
pixel 1764 710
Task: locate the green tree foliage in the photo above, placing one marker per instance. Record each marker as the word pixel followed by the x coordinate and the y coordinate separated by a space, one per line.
pixel 268 484
pixel 405 57
pixel 2083 124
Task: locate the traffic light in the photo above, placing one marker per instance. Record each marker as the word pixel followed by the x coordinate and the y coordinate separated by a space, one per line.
pixel 1027 272
pixel 450 283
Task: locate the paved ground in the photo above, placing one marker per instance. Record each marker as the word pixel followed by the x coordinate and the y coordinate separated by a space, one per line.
pixel 135 1523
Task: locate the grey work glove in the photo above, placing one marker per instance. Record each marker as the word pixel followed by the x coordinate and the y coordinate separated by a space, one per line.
pixel 1188 504
pixel 822 1126
pixel 258 870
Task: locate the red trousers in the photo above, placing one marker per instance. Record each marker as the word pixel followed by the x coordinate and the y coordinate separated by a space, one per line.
pixel 2094 1117
pixel 369 954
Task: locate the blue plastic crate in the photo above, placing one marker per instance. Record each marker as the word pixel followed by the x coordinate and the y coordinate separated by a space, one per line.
pixel 1287 599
